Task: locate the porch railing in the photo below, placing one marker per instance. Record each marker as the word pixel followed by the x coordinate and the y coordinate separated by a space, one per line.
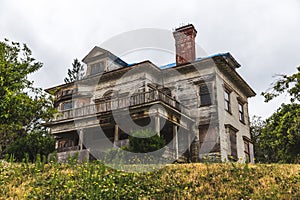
pixel 71 148
pixel 119 103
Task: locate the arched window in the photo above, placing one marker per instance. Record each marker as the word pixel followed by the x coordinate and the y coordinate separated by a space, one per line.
pixel 110 94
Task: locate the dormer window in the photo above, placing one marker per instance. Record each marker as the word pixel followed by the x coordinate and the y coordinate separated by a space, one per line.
pixel 97 67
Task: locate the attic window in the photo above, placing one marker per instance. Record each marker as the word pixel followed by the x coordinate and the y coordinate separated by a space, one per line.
pixel 97 68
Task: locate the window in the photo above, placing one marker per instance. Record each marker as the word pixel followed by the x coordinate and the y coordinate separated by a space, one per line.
pixel 67 105
pixel 241 112
pixel 233 148
pixel 248 150
pixel 203 129
pixel 232 133
pixel 227 100
pixel 205 96
pixel 97 67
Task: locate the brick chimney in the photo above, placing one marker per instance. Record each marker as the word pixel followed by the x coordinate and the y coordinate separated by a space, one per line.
pixel 185 44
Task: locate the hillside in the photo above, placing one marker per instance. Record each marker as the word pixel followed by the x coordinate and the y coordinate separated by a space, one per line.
pixel 181 181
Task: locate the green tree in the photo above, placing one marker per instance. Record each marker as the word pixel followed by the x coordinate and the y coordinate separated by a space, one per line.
pixel 34 143
pixel 76 73
pixel 256 127
pixel 22 107
pixel 286 83
pixel 280 138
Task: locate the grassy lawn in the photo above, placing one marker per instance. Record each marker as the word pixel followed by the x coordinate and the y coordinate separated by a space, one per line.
pixel 178 181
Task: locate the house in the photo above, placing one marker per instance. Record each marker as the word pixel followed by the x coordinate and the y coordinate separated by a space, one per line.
pixel 198 105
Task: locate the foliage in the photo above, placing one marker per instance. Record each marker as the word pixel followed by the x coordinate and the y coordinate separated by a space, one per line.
pixel 141 143
pixel 34 143
pixel 289 84
pixel 76 73
pixel 179 181
pixel 256 127
pixel 22 106
pixel 280 138
pixel 144 141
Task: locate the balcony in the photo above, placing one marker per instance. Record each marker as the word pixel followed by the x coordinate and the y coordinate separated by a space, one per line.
pixel 119 103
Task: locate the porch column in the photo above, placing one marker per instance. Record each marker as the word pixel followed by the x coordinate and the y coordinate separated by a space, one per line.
pixel 189 141
pixel 157 124
pixel 116 136
pixel 80 142
pixel 189 145
pixel 175 141
pixel 56 143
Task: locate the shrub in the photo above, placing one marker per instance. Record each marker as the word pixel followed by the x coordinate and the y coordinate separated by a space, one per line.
pixel 144 141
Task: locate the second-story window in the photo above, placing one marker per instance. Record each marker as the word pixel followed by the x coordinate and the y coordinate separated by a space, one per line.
pixel 67 105
pixel 97 67
pixel 227 100
pixel 241 112
pixel 205 96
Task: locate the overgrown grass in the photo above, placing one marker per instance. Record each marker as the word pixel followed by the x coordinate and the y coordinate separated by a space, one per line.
pixel 179 181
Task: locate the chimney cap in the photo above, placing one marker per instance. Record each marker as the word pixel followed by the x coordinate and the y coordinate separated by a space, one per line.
pixel 185 27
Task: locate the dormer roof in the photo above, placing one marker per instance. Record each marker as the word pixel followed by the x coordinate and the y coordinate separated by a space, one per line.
pixel 98 52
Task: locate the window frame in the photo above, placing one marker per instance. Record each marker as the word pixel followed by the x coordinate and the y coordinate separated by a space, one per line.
pixel 227 105
pixel 203 130
pixel 249 155
pixel 97 67
pixel 205 91
pixel 247 150
pixel 67 102
pixel 232 138
pixel 241 112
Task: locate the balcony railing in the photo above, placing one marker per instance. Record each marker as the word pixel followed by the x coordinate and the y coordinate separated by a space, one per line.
pixel 119 103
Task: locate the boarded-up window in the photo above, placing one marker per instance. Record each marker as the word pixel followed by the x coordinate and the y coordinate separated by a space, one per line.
pixel 248 150
pixel 205 95
pixel 202 133
pixel 232 143
pixel 233 147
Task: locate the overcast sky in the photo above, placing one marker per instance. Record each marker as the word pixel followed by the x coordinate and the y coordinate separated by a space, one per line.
pixel 263 36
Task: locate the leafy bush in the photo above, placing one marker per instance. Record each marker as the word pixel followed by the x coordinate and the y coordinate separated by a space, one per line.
pixel 32 144
pixel 144 141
